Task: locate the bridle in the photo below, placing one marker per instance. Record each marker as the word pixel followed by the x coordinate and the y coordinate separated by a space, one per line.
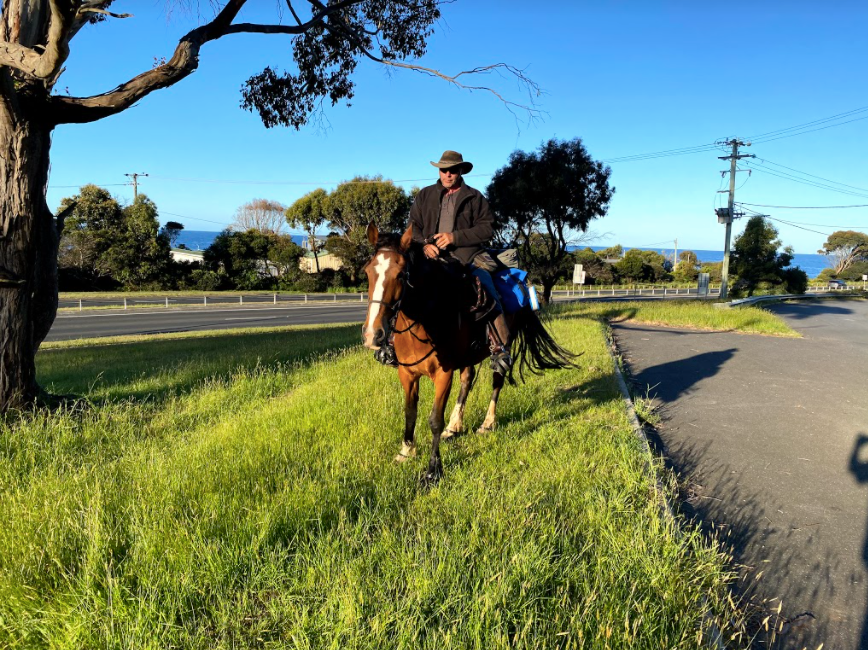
pixel 390 328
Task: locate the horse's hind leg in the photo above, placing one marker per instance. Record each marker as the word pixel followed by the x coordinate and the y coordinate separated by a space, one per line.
pixel 490 421
pixel 411 401
pixel 456 420
pixel 442 386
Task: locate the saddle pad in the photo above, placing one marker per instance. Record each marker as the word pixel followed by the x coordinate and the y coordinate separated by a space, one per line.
pixel 513 292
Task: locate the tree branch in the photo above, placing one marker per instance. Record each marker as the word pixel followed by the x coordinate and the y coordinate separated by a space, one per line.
pixel 184 61
pixel 47 64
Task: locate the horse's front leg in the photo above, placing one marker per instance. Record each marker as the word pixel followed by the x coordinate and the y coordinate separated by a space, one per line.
pixel 442 386
pixel 490 421
pixel 410 382
pixel 456 420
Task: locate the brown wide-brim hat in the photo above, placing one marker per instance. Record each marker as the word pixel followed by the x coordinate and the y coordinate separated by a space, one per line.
pixel 453 159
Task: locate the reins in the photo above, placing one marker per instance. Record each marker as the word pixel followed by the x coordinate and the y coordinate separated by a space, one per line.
pixel 395 308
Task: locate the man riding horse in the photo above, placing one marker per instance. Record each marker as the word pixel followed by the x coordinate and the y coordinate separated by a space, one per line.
pixel 454 222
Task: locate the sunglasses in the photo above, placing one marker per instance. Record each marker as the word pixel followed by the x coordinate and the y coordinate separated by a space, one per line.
pixel 451 170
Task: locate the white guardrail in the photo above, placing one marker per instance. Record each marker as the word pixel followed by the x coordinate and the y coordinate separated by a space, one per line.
pixel 212 300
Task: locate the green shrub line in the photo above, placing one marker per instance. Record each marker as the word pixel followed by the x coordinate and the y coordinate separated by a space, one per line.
pixel 238 490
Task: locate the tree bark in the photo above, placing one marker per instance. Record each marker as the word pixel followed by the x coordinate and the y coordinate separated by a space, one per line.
pixel 28 243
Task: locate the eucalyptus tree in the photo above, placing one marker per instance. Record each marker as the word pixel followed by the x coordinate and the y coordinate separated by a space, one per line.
pixel 327 41
pixel 309 213
pixel 544 199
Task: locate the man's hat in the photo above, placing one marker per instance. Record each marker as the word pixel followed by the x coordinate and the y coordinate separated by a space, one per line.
pixel 453 159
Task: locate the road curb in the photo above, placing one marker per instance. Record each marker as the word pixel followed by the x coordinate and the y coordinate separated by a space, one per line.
pixel 787 296
pixel 715 642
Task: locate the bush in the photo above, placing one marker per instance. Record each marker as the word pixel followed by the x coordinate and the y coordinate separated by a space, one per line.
pixel 205 280
pixel 795 280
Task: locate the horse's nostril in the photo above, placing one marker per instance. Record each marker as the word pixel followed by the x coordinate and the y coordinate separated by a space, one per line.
pixel 380 337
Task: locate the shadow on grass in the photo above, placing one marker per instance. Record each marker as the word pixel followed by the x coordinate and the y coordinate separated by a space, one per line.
pixel 161 368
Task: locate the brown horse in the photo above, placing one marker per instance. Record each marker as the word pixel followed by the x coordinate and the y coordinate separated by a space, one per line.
pixel 425 307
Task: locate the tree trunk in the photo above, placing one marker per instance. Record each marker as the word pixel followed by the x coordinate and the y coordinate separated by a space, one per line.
pixel 548 285
pixel 28 246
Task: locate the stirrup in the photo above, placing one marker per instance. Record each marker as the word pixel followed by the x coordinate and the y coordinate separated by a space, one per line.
pixel 386 356
pixel 501 361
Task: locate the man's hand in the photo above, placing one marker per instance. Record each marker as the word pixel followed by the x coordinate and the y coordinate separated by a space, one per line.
pixel 443 239
pixel 431 251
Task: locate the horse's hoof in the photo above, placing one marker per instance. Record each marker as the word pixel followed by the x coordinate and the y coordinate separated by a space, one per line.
pixel 485 429
pixel 407 452
pixel 430 477
pixel 448 433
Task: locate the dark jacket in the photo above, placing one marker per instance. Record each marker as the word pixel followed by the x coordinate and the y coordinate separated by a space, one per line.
pixel 474 223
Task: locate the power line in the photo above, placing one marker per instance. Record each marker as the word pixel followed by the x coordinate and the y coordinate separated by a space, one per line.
pixel 853 187
pixel 796 179
pixel 788 223
pixel 822 128
pixel 181 216
pixel 663 154
pixel 806 207
pixel 822 120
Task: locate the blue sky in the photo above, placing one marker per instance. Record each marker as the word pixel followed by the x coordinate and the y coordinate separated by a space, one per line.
pixel 628 77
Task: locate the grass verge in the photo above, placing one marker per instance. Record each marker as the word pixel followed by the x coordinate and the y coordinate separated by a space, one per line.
pixel 253 503
pixel 692 314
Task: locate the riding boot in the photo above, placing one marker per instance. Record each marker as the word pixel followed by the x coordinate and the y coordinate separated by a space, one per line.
pixel 501 361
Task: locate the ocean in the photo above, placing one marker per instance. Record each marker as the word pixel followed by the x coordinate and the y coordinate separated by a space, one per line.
pixel 812 264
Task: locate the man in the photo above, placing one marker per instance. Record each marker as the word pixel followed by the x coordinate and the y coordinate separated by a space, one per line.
pixel 453 219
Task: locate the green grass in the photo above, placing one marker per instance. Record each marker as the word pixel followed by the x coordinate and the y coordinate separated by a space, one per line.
pixel 681 313
pixel 245 496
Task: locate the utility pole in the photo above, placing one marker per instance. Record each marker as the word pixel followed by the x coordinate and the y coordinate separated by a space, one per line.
pixel 675 258
pixel 135 178
pixel 728 216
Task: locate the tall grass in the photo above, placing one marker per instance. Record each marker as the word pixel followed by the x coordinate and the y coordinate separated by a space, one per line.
pixel 681 313
pixel 256 505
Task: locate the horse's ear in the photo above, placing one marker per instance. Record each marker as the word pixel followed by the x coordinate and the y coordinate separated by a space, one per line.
pixel 373 233
pixel 407 238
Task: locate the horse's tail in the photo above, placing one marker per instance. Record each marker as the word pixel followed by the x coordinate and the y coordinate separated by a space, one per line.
pixel 535 348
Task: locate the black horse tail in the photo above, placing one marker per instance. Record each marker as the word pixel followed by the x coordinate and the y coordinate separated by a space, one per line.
pixel 535 349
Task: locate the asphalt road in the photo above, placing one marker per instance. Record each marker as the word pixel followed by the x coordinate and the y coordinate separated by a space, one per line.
pixel 88 324
pixel 92 323
pixel 770 438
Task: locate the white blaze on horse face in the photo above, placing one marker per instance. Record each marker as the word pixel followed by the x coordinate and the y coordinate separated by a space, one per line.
pixel 374 307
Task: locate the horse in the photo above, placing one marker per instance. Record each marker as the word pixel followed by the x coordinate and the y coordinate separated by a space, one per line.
pixel 426 308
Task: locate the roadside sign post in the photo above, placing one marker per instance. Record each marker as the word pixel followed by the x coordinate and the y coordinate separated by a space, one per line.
pixel 578 275
pixel 864 280
pixel 702 289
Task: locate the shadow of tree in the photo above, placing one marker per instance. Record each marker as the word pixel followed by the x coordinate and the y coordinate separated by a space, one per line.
pixel 859 469
pixel 667 381
pixel 711 496
pixel 797 310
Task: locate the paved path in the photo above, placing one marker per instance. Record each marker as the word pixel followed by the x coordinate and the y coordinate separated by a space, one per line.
pixel 772 434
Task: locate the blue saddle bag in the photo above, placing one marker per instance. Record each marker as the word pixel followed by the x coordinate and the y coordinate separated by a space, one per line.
pixel 512 289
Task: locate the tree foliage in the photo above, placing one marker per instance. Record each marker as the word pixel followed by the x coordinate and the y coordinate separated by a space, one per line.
pixel 844 247
pixel 310 213
pixel 544 198
pixel 263 215
pixel 354 204
pixel 760 268
pixel 171 231
pixel 252 259
pixel 107 245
